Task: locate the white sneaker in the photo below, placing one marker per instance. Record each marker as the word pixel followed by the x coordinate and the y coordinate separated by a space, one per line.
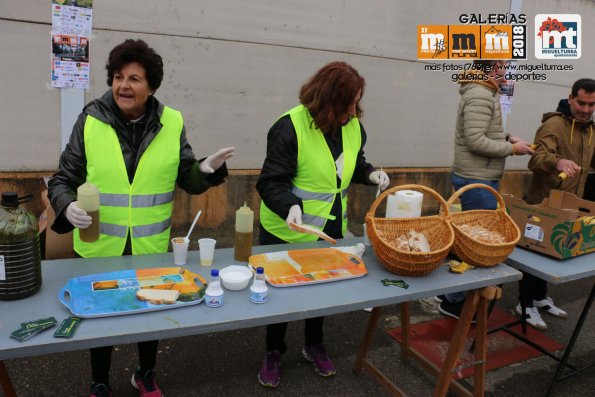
pixel 532 316
pixel 547 304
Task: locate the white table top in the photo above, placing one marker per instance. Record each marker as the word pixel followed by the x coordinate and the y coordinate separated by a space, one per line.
pixel 552 270
pixel 285 304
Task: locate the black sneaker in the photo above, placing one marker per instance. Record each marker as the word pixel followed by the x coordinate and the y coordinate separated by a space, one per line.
pixel 452 309
pixel 100 390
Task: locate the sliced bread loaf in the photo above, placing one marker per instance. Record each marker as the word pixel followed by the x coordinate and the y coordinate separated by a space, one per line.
pixel 158 296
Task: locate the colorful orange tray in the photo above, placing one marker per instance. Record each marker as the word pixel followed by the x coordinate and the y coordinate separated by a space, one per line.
pixel 310 266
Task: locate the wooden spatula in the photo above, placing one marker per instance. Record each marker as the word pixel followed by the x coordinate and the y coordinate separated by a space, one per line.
pixel 312 230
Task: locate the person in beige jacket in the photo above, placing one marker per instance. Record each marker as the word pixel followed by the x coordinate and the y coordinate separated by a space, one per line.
pixel 481 147
pixel 564 144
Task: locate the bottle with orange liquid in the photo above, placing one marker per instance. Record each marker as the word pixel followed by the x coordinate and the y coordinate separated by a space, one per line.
pixel 243 240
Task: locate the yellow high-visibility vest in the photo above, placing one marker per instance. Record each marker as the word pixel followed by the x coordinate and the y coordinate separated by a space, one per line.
pixel 315 181
pixel 142 208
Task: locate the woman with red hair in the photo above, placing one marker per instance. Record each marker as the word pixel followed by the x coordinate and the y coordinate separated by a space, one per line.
pixel 314 152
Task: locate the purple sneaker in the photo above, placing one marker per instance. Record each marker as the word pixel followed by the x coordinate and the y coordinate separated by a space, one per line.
pixel 146 384
pixel 270 372
pixel 322 364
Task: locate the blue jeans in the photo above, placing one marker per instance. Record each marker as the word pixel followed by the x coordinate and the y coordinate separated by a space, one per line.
pixel 474 199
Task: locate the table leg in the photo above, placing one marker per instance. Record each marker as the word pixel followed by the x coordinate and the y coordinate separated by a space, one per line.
pixel 475 304
pixel 523 307
pixel 456 343
pixel 575 334
pixel 362 362
pixel 475 301
pixel 490 309
pixel 364 346
pixel 405 330
pixel 5 381
pixel 481 329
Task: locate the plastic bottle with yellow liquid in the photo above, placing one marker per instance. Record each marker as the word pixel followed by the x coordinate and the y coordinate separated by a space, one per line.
pixel 87 196
pixel 243 240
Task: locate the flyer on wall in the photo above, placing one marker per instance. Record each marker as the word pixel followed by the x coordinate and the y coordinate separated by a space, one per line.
pixel 71 29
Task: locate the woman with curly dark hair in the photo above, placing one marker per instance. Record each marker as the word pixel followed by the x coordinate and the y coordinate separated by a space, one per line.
pixel 314 152
pixel 134 149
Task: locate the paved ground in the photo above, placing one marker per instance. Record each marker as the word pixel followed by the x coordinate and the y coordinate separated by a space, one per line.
pixel 226 363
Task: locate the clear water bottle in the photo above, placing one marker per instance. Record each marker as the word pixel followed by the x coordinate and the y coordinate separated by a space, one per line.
pixel 214 292
pixel 259 290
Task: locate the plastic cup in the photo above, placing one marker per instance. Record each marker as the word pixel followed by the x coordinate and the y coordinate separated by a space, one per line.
pixel 180 245
pixel 206 247
pixel 366 239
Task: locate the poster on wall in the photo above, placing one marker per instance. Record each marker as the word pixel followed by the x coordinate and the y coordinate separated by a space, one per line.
pixel 71 28
pixel 70 61
pixel 506 94
pixel 72 17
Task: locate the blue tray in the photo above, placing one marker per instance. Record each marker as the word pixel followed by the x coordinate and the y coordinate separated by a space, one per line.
pixel 114 293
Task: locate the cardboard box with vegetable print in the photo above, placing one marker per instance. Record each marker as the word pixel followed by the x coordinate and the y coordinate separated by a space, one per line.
pixel 561 226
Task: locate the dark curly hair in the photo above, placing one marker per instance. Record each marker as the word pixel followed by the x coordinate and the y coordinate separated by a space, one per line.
pixel 135 51
pixel 329 93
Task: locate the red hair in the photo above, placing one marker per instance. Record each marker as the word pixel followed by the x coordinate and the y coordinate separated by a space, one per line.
pixel 330 92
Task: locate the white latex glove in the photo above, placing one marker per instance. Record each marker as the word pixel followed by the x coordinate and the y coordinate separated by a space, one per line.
pixel 216 160
pixel 380 178
pixel 295 215
pixel 77 216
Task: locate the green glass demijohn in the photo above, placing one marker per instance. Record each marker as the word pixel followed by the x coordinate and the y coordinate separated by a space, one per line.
pixel 20 257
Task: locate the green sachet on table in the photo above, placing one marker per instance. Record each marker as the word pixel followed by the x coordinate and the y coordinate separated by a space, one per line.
pixel 31 328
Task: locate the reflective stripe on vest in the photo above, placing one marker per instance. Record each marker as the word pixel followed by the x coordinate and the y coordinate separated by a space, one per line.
pixel 146 200
pixel 305 195
pixel 142 208
pixel 137 231
pixel 315 180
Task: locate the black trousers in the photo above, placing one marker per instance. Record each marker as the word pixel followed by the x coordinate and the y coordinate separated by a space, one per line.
pixel 101 359
pixel 275 339
pixel 531 288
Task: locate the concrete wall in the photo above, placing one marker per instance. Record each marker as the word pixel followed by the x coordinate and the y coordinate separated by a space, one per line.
pixel 233 66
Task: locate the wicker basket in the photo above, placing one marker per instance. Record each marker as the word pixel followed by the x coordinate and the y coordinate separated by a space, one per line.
pixel 436 228
pixel 477 253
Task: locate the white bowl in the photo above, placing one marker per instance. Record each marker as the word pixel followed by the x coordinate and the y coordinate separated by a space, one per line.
pixel 235 277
